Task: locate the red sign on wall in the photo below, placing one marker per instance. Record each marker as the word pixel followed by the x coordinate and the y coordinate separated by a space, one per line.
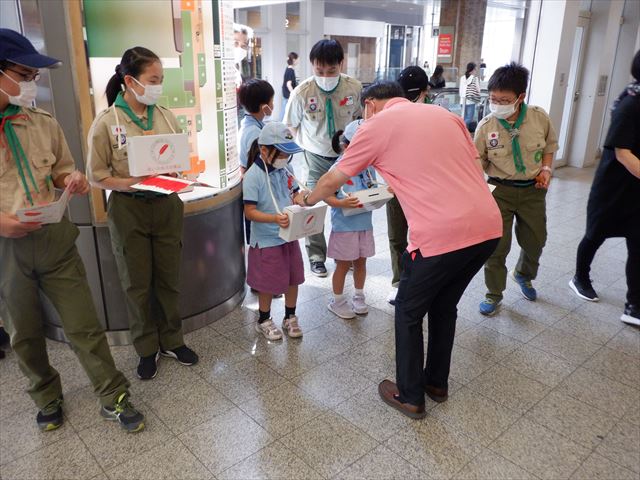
pixel 445 44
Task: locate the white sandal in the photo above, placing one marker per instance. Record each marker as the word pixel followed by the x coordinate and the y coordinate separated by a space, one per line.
pixel 291 328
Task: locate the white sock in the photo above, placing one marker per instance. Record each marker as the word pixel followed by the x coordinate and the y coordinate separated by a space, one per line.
pixel 360 291
pixel 338 299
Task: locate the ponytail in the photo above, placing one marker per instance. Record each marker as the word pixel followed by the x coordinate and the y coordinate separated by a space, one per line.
pixel 254 151
pixel 133 63
pixel 337 140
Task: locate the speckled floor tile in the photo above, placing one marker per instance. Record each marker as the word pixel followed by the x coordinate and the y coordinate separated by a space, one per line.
pixel 226 440
pixel 166 462
pixel 572 418
pixel 514 325
pixel 616 365
pixel 490 466
pixel 67 459
pixel 111 446
pixel 540 451
pixel 272 462
pixel 596 467
pixel 626 341
pixel 434 447
pixel 467 365
pixel 509 388
pixel 475 415
pixel 329 444
pixel 622 446
pixel 283 409
pixel 564 345
pixel 603 393
pixel 381 464
pixel 590 329
pixel 538 365
pixel 487 343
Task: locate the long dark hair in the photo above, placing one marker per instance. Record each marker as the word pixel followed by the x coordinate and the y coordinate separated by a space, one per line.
pixel 470 68
pixel 133 63
pixel 254 151
pixel 337 140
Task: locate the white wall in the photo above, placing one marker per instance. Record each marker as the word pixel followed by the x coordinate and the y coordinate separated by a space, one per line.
pixel 274 50
pixel 355 28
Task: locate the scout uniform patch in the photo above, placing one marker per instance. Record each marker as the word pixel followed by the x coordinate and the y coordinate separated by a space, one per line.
pixel 313 104
pixel 493 138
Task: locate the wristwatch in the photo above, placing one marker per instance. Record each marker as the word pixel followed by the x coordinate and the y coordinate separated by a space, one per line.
pixel 304 199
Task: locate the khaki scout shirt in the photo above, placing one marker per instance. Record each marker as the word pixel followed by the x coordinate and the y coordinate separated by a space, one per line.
pixel 537 137
pixel 306 112
pixel 48 154
pixel 105 158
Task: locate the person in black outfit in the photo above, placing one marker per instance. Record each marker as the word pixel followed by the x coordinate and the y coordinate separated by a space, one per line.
pixel 437 80
pixel 613 209
pixel 289 82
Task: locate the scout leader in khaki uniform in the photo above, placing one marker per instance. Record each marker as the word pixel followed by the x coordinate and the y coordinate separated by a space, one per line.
pixel 145 227
pixel 516 145
pixel 34 161
pixel 317 109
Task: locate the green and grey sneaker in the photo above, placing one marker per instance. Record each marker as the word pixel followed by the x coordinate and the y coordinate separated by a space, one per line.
pixel 50 417
pixel 124 412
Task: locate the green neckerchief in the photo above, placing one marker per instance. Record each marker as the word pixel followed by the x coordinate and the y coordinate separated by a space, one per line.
pixel 22 163
pixel 120 102
pixel 328 106
pixel 515 141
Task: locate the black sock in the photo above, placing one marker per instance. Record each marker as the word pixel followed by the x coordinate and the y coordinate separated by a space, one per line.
pixel 264 316
pixel 289 312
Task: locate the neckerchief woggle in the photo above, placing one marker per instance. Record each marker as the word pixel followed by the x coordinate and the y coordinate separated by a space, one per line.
pixel 120 102
pixel 22 163
pixel 515 140
pixel 328 106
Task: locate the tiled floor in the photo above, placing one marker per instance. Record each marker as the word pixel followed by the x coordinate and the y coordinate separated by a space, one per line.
pixel 549 389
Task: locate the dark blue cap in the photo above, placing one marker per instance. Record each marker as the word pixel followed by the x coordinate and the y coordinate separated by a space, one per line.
pixel 19 50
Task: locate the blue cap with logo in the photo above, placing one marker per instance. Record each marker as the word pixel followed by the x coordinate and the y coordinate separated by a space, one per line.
pixel 278 135
pixel 17 49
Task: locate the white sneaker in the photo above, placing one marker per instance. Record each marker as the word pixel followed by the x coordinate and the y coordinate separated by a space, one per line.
pixel 342 309
pixel 359 306
pixel 392 296
pixel 269 330
pixel 291 328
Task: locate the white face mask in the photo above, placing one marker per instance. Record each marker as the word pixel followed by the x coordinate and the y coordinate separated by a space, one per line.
pixel 503 111
pixel 27 95
pixel 279 163
pixel 151 95
pixel 239 54
pixel 327 83
pixel 267 117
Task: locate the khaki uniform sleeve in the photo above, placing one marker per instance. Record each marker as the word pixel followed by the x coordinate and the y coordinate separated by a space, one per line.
pixel 64 161
pixel 295 109
pixel 99 146
pixel 480 140
pixel 551 138
pixel 357 113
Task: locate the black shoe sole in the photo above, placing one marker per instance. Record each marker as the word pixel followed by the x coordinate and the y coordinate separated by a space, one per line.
pixel 169 354
pixel 49 426
pixel 127 428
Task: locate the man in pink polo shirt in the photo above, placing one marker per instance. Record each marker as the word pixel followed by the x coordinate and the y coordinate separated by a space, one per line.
pixel 426 155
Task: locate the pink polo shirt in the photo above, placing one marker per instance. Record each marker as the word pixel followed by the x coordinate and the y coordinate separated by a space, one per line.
pixel 426 155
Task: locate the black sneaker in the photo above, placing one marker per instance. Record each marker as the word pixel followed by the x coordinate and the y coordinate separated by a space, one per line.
pixel 125 413
pixel 631 314
pixel 318 269
pixel 50 417
pixel 182 354
pixel 584 289
pixel 148 366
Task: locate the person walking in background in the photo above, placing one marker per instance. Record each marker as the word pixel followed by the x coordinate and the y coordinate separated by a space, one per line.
pixel 516 145
pixel 469 94
pixel 289 82
pixel 614 202
pixel 437 79
pixel 319 107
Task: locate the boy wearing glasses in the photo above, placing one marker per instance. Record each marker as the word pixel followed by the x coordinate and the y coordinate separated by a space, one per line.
pixel 516 143
pixel 34 161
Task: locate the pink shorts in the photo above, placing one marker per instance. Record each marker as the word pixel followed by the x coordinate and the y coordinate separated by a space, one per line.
pixel 274 269
pixel 351 246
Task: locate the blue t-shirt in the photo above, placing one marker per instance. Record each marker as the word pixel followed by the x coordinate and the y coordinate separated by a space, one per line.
pixel 256 192
pixel 249 131
pixel 362 221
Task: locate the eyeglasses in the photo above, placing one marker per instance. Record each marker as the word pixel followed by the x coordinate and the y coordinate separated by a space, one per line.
pixel 27 77
pixel 502 101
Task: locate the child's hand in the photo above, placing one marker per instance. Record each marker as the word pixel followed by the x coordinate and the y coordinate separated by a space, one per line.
pixel 282 220
pixel 543 179
pixel 390 190
pixel 350 202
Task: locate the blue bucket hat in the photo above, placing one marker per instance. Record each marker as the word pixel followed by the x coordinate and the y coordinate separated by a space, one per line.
pixel 17 49
pixel 278 135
